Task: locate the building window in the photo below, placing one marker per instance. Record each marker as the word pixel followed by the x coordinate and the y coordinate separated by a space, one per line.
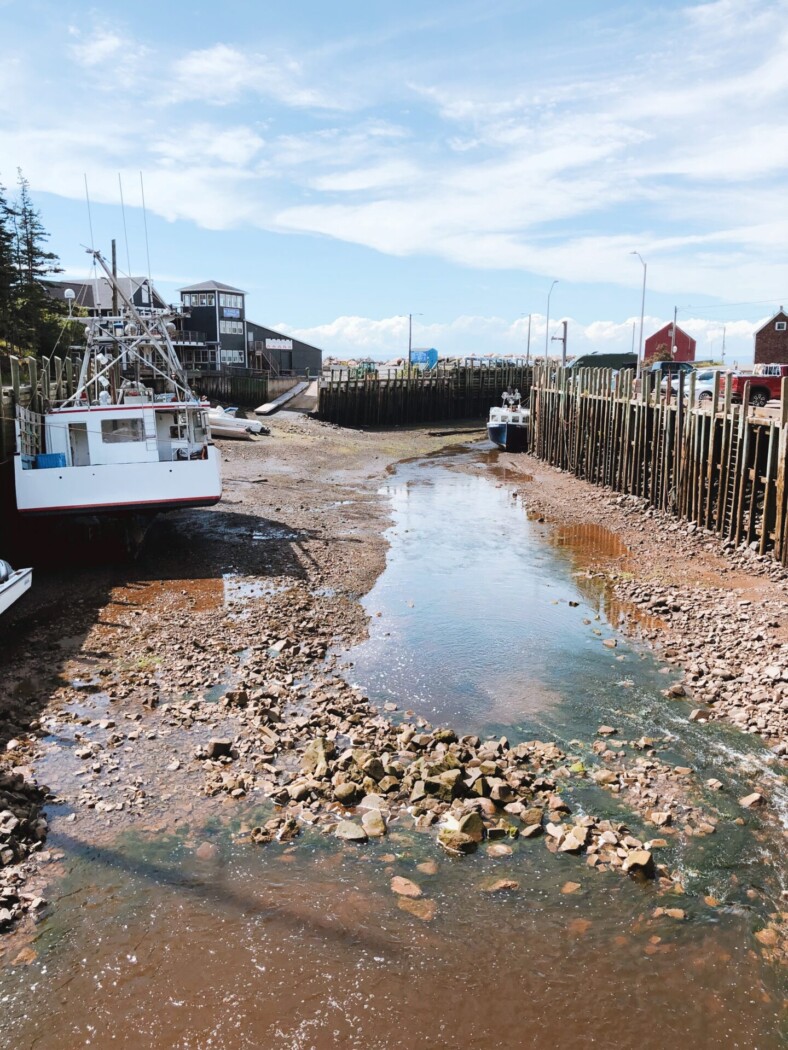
pixel 211 299
pixel 231 327
pixel 780 326
pixel 115 431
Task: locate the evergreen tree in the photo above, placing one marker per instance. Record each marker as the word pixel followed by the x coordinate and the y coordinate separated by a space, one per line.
pixel 36 311
pixel 7 271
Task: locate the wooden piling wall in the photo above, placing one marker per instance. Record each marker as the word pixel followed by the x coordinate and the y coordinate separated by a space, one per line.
pixel 719 465
pixel 447 393
pixel 247 391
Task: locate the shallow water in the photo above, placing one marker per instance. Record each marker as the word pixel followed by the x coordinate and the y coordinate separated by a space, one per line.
pixel 306 946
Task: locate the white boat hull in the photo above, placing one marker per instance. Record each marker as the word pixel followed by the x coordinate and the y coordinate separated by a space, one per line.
pixel 119 487
pixel 14 587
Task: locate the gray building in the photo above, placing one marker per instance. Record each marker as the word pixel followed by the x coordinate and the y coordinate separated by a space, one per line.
pixel 212 331
pixel 281 354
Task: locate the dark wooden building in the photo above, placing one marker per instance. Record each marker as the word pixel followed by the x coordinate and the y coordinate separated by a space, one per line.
pixel 771 341
pixel 213 328
pixel 281 354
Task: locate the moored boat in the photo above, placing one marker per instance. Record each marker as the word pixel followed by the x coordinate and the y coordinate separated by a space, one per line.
pixel 131 439
pixel 507 426
pixel 13 584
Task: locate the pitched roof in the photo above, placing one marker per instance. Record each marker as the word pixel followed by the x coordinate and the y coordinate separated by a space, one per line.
pixel 96 293
pixel 779 316
pixel 212 286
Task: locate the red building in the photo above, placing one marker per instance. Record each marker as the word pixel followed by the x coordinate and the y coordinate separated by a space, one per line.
pixel 682 348
pixel 771 341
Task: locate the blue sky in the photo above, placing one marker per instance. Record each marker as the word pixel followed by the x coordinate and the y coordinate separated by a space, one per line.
pixel 348 163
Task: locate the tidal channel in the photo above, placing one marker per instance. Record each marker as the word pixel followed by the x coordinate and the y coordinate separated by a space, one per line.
pixel 489 622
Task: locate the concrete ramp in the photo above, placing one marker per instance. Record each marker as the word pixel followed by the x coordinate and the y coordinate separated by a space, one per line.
pixel 270 407
pixel 305 401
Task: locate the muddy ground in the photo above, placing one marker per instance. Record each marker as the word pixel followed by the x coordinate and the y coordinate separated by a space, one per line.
pixel 107 668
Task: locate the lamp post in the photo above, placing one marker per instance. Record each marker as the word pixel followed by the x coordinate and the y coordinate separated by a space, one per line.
pixel 547 321
pixel 410 338
pixel 642 312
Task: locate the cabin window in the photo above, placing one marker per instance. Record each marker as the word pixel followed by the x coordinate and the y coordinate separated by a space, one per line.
pixel 780 326
pixel 210 299
pixel 115 431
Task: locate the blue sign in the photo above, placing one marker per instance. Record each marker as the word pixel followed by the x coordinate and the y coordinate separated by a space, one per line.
pixel 230 311
pixel 424 357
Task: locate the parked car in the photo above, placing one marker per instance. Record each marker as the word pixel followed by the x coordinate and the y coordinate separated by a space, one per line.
pixel 704 383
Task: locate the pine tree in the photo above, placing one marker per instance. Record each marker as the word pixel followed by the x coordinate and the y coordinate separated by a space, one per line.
pixel 7 271
pixel 36 311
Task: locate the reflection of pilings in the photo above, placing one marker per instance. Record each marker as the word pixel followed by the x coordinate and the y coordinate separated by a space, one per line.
pixel 709 462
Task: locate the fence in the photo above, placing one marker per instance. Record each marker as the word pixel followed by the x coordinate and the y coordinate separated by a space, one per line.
pixel 457 392
pixel 710 462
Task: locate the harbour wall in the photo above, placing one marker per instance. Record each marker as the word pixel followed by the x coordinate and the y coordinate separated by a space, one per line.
pixel 708 462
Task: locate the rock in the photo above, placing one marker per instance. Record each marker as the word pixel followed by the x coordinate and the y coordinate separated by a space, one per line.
pixel 219 748
pixel 610 643
pixel 316 757
pixel 456 841
pixel 347 793
pixel 606 731
pixel 373 802
pixel 532 831
pixel 700 714
pixel 348 831
pixel 374 824
pixel 473 825
pixel 768 937
pixel 640 862
pixel 755 799
pixel 404 887
pixel 423 909
pixel 428 867
pixel 570 887
pixel 499 849
pixel 501 886
pixel 715 785
pixel 206 851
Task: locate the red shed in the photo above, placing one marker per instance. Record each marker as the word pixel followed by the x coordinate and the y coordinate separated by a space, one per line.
pixel 683 346
pixel 771 340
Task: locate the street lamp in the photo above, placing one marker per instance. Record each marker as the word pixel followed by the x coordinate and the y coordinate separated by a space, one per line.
pixel 547 322
pixel 410 337
pixel 642 312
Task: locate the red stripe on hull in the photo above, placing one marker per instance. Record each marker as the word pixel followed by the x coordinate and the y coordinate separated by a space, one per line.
pixel 158 504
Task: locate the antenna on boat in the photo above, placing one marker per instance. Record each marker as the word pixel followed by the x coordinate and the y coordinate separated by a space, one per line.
pixel 147 246
pixel 90 216
pixel 125 230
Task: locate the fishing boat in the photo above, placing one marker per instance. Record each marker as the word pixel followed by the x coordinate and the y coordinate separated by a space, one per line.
pixel 132 439
pixel 13 584
pixel 507 426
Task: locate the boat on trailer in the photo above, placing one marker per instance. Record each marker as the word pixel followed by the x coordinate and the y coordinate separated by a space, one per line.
pixel 13 584
pixel 132 439
pixel 507 426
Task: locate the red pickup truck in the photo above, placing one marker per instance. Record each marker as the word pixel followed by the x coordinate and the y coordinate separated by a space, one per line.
pixel 765 386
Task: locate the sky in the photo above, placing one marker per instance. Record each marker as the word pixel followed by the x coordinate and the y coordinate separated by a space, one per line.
pixel 350 163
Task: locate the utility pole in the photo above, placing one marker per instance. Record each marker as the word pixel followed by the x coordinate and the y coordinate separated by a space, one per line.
pixel 634 326
pixel 547 322
pixel 642 313
pixel 410 340
pixel 673 344
pixel 723 343
pixel 562 340
pixel 528 344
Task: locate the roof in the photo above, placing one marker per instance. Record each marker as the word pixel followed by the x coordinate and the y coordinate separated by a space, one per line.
pixel 212 286
pixel 780 315
pixel 666 328
pixel 96 293
pixel 270 333
pixel 597 360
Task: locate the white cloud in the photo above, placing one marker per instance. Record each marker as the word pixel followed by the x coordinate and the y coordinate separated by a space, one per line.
pixel 97 47
pixel 387 338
